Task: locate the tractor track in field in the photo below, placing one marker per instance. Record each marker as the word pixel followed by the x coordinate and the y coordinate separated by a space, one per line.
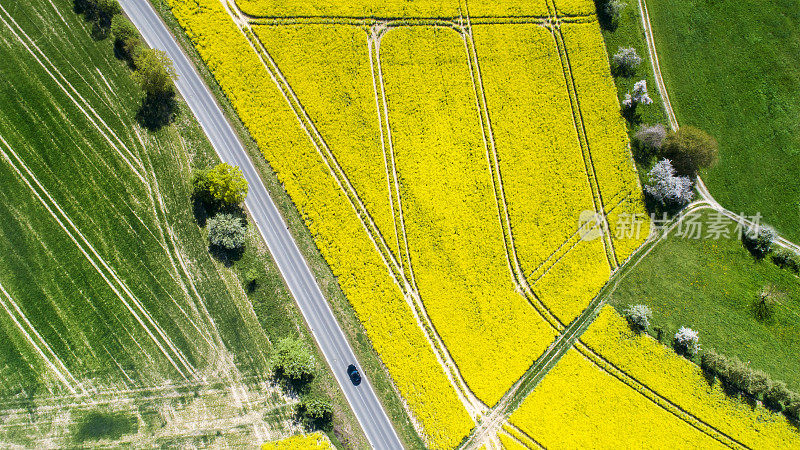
pixel 572 332
pixel 120 289
pixel 474 406
pixel 82 105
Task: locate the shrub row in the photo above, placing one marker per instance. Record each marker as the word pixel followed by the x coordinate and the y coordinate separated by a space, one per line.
pixel 738 378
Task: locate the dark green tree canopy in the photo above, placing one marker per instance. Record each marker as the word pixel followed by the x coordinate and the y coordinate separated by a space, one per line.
pixel 154 72
pixel 690 149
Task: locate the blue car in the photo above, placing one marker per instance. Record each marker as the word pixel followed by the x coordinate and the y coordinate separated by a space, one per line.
pixel 355 377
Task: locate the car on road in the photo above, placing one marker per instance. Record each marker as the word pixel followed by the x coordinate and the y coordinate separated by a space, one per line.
pixel 355 377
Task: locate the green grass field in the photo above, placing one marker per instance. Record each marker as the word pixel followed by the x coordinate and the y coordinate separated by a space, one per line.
pixel 731 68
pixel 709 285
pixel 108 291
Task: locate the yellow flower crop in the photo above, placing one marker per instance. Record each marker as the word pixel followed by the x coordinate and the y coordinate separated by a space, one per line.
pixel 446 9
pixel 328 67
pixel 455 238
pixel 543 172
pixel 605 131
pixel 509 443
pixel 339 235
pixel 578 405
pixel 313 441
pixel 574 7
pixel 682 382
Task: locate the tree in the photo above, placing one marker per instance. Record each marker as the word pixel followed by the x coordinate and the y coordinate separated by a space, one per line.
pixel 292 360
pixel 764 304
pixel 626 60
pixel 690 149
pixel 315 412
pixel 777 395
pixel 651 137
pixel 226 232
pixel 787 259
pixel 687 341
pixel 155 73
pixel 106 10
pixel 667 188
pixel 714 363
pixel 638 97
pixel 126 38
pixel 793 408
pixel 226 184
pixel 639 317
pixel 613 10
pixel 758 241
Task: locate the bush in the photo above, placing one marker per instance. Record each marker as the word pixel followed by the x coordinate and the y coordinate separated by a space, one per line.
pixel 292 360
pixel 792 410
pixel 777 395
pixel 227 232
pixel 787 259
pixel 625 61
pixel 687 341
pixel 764 304
pixel 666 188
pixel 639 317
pixel 759 241
pixel 315 412
pixel 714 363
pixel 651 137
pixel 126 38
pixel 690 149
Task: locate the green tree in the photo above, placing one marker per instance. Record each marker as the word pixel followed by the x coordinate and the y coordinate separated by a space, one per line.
pixel 690 149
pixel 154 72
pixel 315 412
pixel 226 183
pixel 292 360
pixel 227 232
pixel 126 38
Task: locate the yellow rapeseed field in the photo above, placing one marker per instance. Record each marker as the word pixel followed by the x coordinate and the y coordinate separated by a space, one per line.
pixel 578 405
pixel 455 238
pixel 447 9
pixel 509 443
pixel 683 383
pixel 328 68
pixel 544 179
pixel 313 441
pixel 574 7
pixel 605 130
pixel 339 235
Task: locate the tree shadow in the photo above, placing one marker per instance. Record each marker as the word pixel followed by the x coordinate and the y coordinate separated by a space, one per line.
pixel 123 55
pixel 631 115
pixel 157 111
pixel 605 20
pixel 622 71
pixel 226 256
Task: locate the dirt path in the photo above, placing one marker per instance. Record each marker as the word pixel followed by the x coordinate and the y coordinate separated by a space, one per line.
pixel 705 194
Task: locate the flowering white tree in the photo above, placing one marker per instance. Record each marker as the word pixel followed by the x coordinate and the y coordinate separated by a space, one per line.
pixel 667 188
pixel 638 97
pixel 639 317
pixel 651 136
pixel 687 341
pixel 626 60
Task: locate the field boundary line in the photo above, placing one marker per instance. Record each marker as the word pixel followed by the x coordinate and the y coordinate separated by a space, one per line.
pixel 395 199
pixel 520 436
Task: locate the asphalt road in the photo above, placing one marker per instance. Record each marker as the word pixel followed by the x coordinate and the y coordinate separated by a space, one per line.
pixel 290 261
